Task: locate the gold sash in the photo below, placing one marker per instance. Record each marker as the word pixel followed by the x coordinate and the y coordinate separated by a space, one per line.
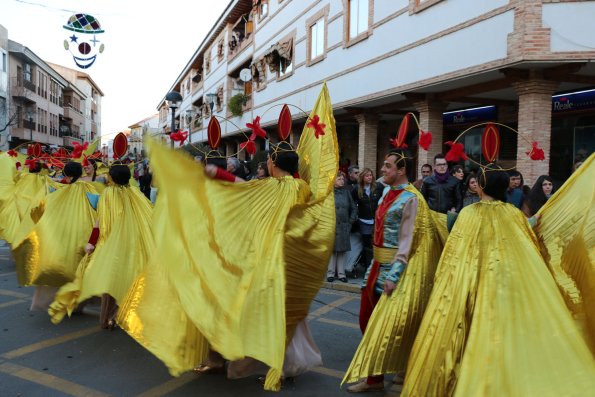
pixel 384 255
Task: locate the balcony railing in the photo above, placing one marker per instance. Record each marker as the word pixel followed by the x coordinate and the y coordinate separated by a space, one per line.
pixel 28 124
pixel 29 85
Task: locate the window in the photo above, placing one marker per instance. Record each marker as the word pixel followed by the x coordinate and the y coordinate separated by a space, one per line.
pixel 4 63
pixel 263 9
pixel 284 67
pixel 358 17
pixel 317 39
pixel 27 75
pixel 420 5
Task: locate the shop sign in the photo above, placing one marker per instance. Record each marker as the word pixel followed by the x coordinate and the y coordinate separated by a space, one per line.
pixel 573 102
pixel 475 115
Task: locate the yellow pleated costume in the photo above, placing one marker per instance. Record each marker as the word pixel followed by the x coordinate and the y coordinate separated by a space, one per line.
pixel 9 216
pixel 29 197
pixel 392 328
pixel 122 251
pixel 496 324
pixel 566 231
pixel 50 253
pixel 243 260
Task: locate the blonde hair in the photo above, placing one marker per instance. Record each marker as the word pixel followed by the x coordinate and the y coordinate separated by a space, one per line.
pixel 361 183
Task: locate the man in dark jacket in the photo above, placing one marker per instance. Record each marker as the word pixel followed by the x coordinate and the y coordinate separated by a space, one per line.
pixel 441 190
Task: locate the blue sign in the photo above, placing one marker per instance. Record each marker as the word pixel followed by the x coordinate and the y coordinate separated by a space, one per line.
pixel 573 102
pixel 476 115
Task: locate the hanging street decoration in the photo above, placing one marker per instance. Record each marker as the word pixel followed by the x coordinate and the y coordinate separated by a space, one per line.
pixel 83 42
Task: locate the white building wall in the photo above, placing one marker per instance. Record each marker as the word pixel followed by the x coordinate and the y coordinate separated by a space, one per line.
pixel 572 25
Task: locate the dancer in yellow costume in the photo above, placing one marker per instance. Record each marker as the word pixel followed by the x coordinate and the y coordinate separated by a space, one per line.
pixel 496 324
pixel 27 194
pixel 566 231
pixel 114 261
pixel 246 265
pixel 49 254
pixel 406 242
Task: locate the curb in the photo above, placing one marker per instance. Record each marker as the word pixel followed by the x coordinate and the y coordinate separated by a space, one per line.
pixel 339 286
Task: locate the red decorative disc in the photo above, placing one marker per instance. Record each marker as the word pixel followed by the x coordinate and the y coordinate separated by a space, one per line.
pixel 490 142
pixel 120 145
pixel 214 133
pixel 402 133
pixel 37 150
pixel 284 124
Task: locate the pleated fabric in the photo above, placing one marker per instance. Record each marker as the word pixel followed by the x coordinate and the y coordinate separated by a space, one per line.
pixel 122 251
pixel 244 267
pixel 496 324
pixel 9 216
pixel 29 197
pixel 441 225
pixel 391 331
pixel 566 231
pixel 50 253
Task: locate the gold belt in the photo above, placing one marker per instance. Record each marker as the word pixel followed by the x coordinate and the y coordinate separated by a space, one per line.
pixel 384 255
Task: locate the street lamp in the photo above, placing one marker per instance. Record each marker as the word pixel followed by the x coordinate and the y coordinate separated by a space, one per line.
pixel 211 101
pixel 30 114
pixel 173 99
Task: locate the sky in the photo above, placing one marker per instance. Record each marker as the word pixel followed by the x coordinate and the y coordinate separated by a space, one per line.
pixel 147 44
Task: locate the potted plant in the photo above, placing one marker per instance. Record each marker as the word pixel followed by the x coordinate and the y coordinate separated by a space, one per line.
pixel 236 103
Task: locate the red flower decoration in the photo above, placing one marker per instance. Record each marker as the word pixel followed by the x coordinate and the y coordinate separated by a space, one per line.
pixel 179 136
pixel 85 162
pixel 317 125
pixel 12 153
pixel 536 153
pixel 256 129
pixel 456 152
pixel 425 139
pixel 249 146
pixel 78 150
pixel 31 164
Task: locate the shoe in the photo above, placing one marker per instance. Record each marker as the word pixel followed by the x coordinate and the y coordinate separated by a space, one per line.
pixel 209 368
pixel 330 279
pixel 343 279
pixel 363 387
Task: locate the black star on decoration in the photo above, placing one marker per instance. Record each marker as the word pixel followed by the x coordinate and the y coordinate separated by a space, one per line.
pixel 73 39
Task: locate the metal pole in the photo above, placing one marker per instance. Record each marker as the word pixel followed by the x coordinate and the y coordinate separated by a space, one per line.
pixel 173 125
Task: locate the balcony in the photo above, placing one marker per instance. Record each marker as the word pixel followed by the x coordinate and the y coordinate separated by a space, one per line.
pixel 71 113
pixel 29 85
pixel 68 140
pixel 28 124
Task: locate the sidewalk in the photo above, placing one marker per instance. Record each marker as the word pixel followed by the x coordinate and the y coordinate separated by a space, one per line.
pixel 352 284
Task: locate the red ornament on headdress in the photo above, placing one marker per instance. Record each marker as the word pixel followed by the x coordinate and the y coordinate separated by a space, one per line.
pixel 179 136
pixel 317 125
pixel 249 146
pixel 456 152
pixel 536 153
pixel 61 153
pixel 490 142
pixel 284 123
pixel 120 145
pixel 214 133
pixel 29 150
pixel 30 163
pixel 256 129
pixel 78 149
pixel 85 162
pixel 12 153
pixel 425 139
pixel 399 142
pixel 37 150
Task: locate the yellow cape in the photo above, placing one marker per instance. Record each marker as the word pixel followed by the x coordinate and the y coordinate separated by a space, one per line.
pixel 123 250
pixel 389 336
pixel 245 266
pixel 496 324
pixel 50 253
pixel 566 230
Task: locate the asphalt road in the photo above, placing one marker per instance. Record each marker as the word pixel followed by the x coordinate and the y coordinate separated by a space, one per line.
pixel 77 358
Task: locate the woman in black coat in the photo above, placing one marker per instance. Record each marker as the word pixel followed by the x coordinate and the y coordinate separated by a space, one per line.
pixel 366 195
pixel 346 215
